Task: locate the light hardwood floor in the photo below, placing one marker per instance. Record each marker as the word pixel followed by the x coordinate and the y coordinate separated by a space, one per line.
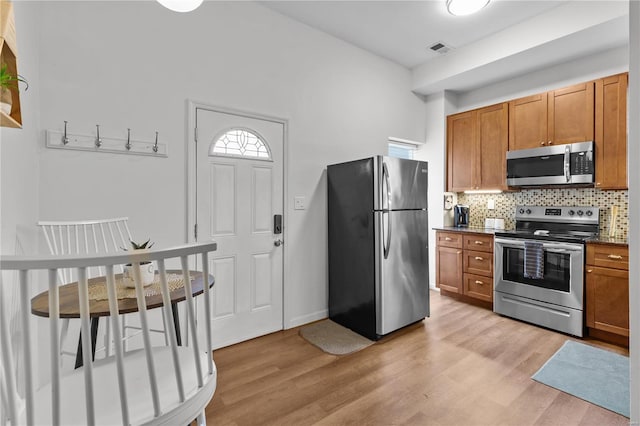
pixel 464 365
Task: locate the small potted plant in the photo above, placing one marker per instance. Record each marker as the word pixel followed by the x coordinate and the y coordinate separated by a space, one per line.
pixel 147 271
pixel 7 81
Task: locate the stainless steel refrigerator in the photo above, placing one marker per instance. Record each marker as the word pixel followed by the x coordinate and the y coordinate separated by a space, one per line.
pixel 378 244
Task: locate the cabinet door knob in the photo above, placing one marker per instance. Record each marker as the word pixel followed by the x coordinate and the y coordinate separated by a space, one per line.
pixel 478 258
pixel 479 282
pixel 458 252
pixel 615 256
pixel 542 143
pixel 550 142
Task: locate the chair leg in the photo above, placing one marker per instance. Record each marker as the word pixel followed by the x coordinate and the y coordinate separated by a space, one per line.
pixel 63 335
pixel 201 420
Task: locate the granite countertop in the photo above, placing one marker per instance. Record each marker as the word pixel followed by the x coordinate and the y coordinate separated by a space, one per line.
pixel 600 239
pixel 469 230
pixel 605 239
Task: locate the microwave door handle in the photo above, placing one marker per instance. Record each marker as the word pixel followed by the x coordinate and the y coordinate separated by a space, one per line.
pixel 567 163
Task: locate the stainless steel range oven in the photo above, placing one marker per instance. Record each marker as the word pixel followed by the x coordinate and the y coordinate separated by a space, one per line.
pixel 539 267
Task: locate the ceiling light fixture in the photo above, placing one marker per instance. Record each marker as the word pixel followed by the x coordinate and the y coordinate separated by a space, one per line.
pixel 181 5
pixel 465 7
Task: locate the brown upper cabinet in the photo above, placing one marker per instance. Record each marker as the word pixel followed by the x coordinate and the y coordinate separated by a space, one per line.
pixel 9 56
pixel 476 148
pixel 557 117
pixel 611 132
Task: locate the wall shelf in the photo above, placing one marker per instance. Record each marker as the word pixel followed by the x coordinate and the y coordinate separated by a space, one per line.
pixel 9 56
pixel 109 145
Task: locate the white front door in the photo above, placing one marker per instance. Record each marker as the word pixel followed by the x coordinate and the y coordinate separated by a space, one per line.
pixel 239 189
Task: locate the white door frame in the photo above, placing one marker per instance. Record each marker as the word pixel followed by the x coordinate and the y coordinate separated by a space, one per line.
pixel 192 106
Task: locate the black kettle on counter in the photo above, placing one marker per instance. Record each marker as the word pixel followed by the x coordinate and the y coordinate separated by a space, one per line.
pixel 460 215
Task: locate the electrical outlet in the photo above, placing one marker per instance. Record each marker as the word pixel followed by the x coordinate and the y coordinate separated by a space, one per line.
pixel 491 204
pixel 299 203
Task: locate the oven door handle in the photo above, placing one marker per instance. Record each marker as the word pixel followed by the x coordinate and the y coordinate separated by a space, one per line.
pixel 550 247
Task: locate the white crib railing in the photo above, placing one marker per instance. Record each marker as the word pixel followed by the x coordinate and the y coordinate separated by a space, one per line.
pixel 154 385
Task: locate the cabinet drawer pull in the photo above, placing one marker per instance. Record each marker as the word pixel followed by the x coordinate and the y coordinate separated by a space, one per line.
pixel 479 282
pixel 615 256
pixel 479 258
pixel 447 239
pixel 479 243
pixel 589 270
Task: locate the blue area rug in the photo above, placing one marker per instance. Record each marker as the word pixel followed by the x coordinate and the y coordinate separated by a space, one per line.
pixel 595 375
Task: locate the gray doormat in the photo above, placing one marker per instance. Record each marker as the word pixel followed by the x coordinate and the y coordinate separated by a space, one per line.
pixel 593 374
pixel 334 338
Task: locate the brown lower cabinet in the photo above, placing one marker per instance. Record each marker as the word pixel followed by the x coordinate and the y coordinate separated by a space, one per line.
pixel 464 264
pixel 607 292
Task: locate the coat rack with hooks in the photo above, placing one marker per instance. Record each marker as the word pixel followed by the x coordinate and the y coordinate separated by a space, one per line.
pixel 99 143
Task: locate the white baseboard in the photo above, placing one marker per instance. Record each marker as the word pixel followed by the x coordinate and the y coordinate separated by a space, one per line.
pixel 305 319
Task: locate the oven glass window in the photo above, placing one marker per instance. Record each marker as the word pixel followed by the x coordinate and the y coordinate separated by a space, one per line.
pixel 557 269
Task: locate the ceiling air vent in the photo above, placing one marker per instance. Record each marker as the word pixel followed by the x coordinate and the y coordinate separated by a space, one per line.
pixel 440 47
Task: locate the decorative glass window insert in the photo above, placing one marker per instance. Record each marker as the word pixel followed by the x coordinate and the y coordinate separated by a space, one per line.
pixel 241 143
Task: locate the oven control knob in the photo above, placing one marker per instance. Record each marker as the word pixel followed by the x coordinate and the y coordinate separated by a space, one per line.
pixel 521 211
pixel 580 212
pixel 589 213
pixel 571 212
pixel 528 211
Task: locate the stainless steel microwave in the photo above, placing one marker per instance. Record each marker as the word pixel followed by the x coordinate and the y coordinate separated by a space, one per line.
pixel 551 165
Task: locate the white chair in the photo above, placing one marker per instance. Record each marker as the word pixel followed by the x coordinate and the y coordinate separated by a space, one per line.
pixel 85 237
pixel 155 385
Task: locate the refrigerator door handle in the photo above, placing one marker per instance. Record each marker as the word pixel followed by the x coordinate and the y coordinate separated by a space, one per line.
pixel 387 243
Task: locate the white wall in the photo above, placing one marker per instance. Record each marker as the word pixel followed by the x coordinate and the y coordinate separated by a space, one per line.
pixel 134 64
pixel 603 64
pixel 634 208
pixel 438 106
pixel 19 170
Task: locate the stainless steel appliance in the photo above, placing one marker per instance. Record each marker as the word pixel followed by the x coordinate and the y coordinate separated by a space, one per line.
pixel 554 296
pixel 460 215
pixel 378 244
pixel 568 164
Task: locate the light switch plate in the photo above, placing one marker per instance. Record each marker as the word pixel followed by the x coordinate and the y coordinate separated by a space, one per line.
pixel 299 203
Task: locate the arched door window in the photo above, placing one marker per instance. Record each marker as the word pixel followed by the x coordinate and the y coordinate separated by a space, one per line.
pixel 240 143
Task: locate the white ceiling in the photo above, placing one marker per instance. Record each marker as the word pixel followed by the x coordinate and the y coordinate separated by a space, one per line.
pixel 402 31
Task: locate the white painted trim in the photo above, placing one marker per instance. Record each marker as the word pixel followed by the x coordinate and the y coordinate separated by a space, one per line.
pixel 192 105
pixel 415 144
pixel 306 319
pixel 634 209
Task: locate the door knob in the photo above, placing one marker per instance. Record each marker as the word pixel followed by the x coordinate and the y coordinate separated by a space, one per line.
pixel 278 243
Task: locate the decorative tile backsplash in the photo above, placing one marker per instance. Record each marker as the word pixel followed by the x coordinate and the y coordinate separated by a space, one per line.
pixel 505 205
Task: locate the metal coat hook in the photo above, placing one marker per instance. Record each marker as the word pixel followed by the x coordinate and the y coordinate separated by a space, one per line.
pixel 98 140
pixel 128 144
pixel 65 138
pixel 155 146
